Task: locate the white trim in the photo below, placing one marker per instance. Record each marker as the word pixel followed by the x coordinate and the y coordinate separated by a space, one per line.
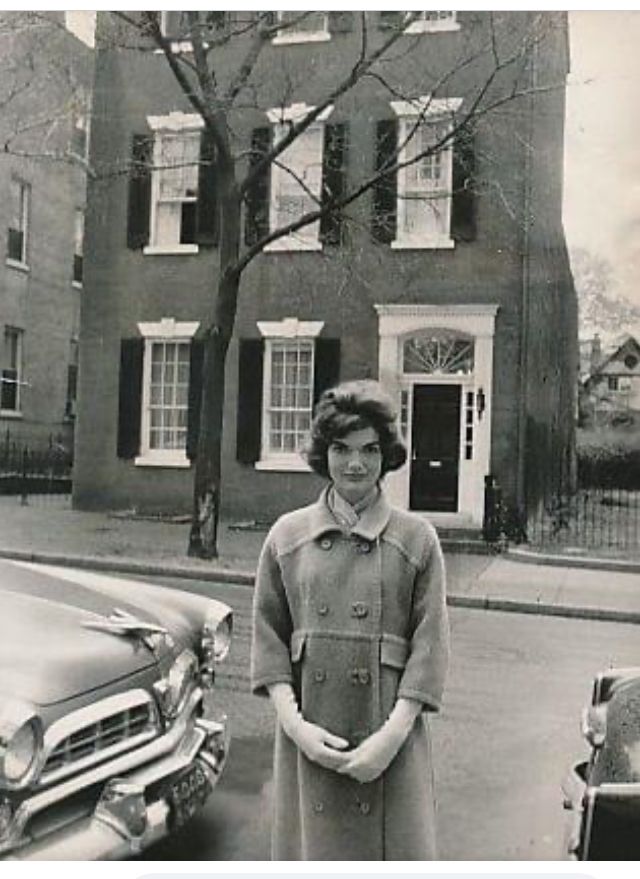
pixel 290 328
pixel 170 250
pixel 162 458
pixel 176 121
pixel 77 285
pixel 293 463
pixel 295 112
pixel 20 266
pixel 432 26
pixel 423 244
pixel 291 244
pixel 395 323
pixel 427 106
pixel 290 36
pixel 11 413
pixel 168 328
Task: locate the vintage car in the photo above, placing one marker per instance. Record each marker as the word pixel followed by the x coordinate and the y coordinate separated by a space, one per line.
pixel 108 739
pixel 602 793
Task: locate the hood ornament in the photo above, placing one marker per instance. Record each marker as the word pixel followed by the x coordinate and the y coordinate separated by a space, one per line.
pixel 120 622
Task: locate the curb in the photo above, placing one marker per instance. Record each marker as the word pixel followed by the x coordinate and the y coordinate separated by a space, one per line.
pixel 246 578
pixel 531 557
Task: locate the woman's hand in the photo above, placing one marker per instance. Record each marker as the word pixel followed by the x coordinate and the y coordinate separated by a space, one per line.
pixel 318 744
pixel 374 755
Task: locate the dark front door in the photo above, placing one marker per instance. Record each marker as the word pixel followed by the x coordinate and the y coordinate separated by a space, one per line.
pixel 435 448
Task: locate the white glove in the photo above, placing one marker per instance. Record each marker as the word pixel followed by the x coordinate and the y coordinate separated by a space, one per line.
pixel 372 756
pixel 317 743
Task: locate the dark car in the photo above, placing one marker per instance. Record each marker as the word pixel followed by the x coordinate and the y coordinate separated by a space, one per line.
pixel 603 791
pixel 108 739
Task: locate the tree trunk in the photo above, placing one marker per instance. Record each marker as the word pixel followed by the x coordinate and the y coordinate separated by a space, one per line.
pixel 203 536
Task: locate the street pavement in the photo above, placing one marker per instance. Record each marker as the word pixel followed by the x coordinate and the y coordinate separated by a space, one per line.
pixel 48 530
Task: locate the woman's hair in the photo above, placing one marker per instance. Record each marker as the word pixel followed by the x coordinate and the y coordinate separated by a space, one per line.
pixel 352 406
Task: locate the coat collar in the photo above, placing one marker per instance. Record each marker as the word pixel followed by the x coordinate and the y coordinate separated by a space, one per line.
pixel 369 526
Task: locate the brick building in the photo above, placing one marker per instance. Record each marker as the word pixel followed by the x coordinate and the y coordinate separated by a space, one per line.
pixel 449 281
pixel 45 90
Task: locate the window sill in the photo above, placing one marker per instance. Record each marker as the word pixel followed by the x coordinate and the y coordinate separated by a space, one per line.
pixel 431 27
pixel 423 244
pixel 11 413
pixel 77 285
pixel 16 264
pixel 150 459
pixel 170 250
pixel 289 39
pixel 178 46
pixel 293 464
pixel 285 245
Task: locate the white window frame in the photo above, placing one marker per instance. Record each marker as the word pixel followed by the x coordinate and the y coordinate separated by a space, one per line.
pixel 439 111
pixel 16 412
pixel 423 25
pixel 288 330
pixel 176 45
pixel 175 123
pixel 289 35
pixel 165 330
pixel 25 222
pixel 81 122
pixel 307 238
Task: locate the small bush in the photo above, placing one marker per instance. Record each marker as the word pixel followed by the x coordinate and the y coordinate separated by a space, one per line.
pixel 607 459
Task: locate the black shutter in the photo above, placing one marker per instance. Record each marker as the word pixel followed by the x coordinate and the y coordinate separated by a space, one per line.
pixel 130 398
pixel 196 361
pixel 463 202
pixel 249 417
pixel 207 216
pixel 340 22
pixel 139 191
pixel 257 201
pixel 326 367
pixel 385 190
pixel 390 20
pixel 334 178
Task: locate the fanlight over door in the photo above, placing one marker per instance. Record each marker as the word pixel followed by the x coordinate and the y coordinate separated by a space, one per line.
pixel 438 352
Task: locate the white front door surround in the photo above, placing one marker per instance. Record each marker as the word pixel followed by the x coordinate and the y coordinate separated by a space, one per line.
pixel 474 324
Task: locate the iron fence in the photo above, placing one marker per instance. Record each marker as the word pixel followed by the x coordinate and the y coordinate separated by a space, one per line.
pixel 30 470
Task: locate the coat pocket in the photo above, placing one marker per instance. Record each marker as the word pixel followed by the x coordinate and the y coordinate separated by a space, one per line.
pixel 394 651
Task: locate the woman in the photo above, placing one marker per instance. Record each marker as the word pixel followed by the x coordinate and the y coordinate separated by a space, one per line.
pixel 350 641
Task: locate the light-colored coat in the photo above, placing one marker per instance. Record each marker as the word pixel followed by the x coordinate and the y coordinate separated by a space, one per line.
pixel 352 622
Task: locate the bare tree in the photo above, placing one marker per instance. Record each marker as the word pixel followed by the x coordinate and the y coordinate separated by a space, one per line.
pixel 220 91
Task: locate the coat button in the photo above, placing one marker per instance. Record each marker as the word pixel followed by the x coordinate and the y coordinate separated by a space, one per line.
pixel 353 675
pixel 326 543
pixel 323 610
pixel 364 676
pixel 318 807
pixel 359 609
pixel 319 675
pixel 364 546
pixel 365 808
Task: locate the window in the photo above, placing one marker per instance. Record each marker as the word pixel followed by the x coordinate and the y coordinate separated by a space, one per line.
pixel 11 371
pixel 302 27
pixel 288 383
pixel 296 180
pixel 72 381
pixel 425 183
pixel 17 233
pixel 165 392
pixel 174 184
pixel 432 22
pixel 612 382
pixel 80 135
pixel 78 238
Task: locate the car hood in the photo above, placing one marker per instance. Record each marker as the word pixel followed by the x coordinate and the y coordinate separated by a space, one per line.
pixel 47 652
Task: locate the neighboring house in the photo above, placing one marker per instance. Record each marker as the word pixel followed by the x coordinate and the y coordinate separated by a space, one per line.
pixel 451 283
pixel 610 387
pixel 47 71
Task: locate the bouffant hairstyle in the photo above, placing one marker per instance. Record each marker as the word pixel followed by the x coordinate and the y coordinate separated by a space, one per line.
pixel 352 406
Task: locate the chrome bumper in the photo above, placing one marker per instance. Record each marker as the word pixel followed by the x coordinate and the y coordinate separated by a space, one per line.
pixel 123 823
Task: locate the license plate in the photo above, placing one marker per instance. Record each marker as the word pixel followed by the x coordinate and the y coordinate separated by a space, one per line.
pixel 188 793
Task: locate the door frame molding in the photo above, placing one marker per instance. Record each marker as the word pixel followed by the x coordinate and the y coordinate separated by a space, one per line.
pixel 395 323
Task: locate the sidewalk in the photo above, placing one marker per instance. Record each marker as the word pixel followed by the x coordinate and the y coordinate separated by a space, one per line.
pixel 48 530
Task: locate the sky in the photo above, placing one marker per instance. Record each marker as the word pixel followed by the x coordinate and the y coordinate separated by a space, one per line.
pixel 602 159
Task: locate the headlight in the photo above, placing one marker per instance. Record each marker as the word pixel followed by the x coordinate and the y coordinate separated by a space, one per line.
pixel 216 639
pixel 173 689
pixel 20 745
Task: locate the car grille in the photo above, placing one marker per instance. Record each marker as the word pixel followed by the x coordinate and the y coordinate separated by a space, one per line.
pixel 109 734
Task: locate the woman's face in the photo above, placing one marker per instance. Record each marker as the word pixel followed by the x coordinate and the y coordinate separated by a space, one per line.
pixel 355 463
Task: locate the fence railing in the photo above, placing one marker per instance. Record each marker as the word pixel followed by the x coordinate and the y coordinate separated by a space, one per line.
pixel 30 470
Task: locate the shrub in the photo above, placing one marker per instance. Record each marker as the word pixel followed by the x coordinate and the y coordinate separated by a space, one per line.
pixel 608 459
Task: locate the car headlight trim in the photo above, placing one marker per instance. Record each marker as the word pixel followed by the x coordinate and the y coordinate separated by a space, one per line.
pixel 173 689
pixel 21 745
pixel 216 639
